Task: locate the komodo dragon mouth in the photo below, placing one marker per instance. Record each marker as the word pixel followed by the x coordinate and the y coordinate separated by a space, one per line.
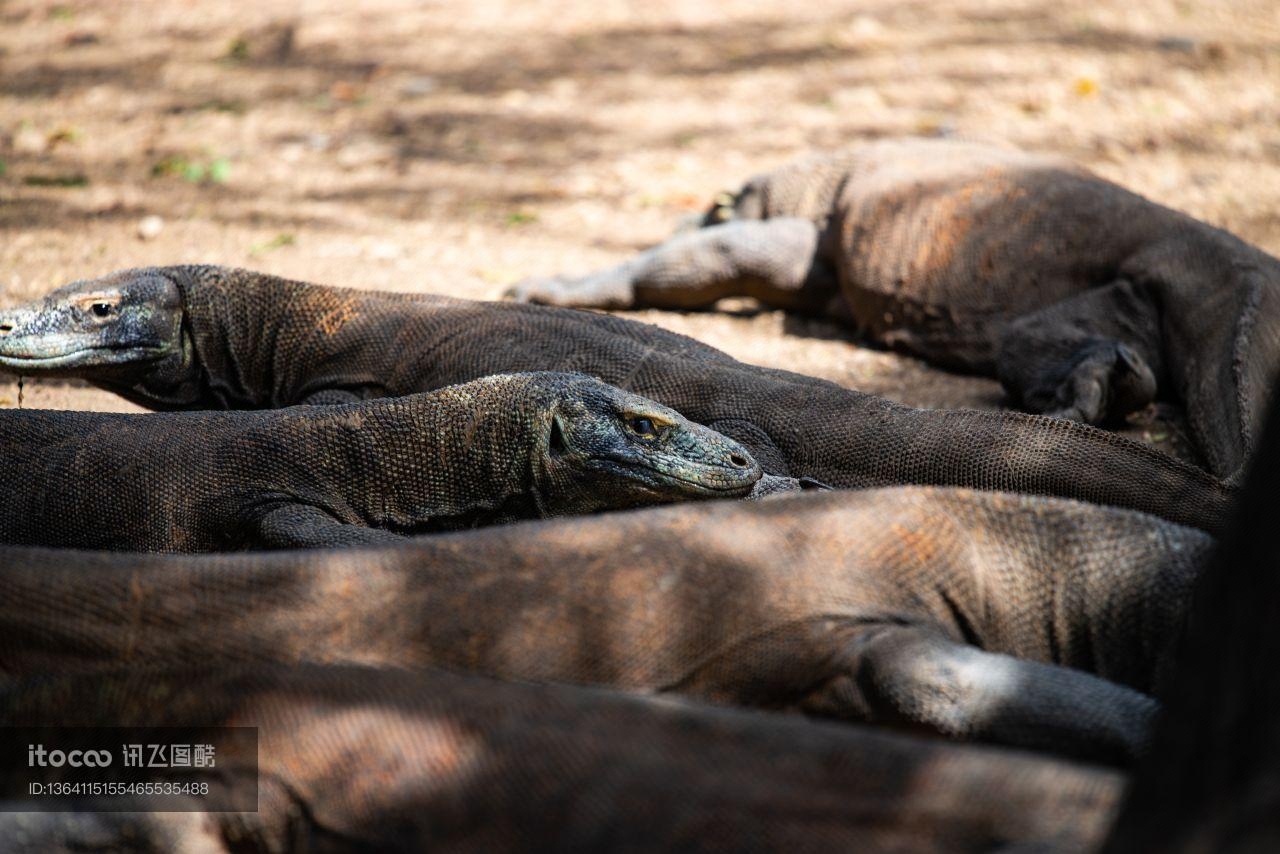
pixel 70 358
pixel 720 480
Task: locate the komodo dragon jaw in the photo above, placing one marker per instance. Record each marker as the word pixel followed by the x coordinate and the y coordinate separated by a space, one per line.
pixel 607 447
pixel 102 327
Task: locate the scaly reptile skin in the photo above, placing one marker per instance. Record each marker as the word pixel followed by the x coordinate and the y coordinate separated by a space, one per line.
pixel 500 448
pixel 359 760
pixel 210 337
pixel 898 605
pixel 1212 780
pixel 1085 299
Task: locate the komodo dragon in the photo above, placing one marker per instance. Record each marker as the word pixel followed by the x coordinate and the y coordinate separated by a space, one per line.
pixel 902 605
pixel 503 447
pixel 210 337
pixel 360 760
pixel 1084 299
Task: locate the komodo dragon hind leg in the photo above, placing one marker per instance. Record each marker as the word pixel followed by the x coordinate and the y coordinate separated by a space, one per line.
pixel 1093 358
pixel 773 260
pixel 300 526
pixel 908 675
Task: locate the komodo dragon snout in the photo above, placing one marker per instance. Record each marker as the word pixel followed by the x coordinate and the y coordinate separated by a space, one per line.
pixel 609 447
pixel 118 320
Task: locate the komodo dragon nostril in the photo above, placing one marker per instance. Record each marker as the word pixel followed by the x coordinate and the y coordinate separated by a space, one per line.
pixel 6 328
pixel 738 461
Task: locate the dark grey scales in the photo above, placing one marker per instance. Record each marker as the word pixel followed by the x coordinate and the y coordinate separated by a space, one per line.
pixel 210 337
pixel 491 450
pixel 357 760
pixel 1027 621
pixel 1084 299
pixel 1211 780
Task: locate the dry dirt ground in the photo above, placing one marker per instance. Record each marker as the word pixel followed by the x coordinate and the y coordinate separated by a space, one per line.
pixel 458 146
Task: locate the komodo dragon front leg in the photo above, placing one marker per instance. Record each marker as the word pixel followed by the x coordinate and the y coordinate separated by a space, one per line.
pixel 299 526
pixel 1094 357
pixel 775 261
pixel 913 676
pixel 916 677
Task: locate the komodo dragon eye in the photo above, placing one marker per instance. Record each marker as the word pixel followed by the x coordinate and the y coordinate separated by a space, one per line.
pixel 99 305
pixel 642 427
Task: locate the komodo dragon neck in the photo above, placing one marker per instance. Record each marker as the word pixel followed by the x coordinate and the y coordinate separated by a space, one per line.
pixel 474 455
pixel 262 342
pixel 255 341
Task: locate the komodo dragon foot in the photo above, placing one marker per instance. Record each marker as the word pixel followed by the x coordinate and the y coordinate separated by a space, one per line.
pixel 1107 381
pixel 773 484
pixel 566 291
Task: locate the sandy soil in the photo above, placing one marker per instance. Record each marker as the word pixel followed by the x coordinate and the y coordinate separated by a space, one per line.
pixel 456 147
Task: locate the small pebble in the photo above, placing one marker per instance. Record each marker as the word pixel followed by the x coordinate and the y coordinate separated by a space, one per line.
pixel 1177 44
pixel 149 227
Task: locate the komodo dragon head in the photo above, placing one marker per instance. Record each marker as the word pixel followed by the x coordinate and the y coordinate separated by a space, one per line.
pixel 748 202
pixel 95 329
pixel 604 447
